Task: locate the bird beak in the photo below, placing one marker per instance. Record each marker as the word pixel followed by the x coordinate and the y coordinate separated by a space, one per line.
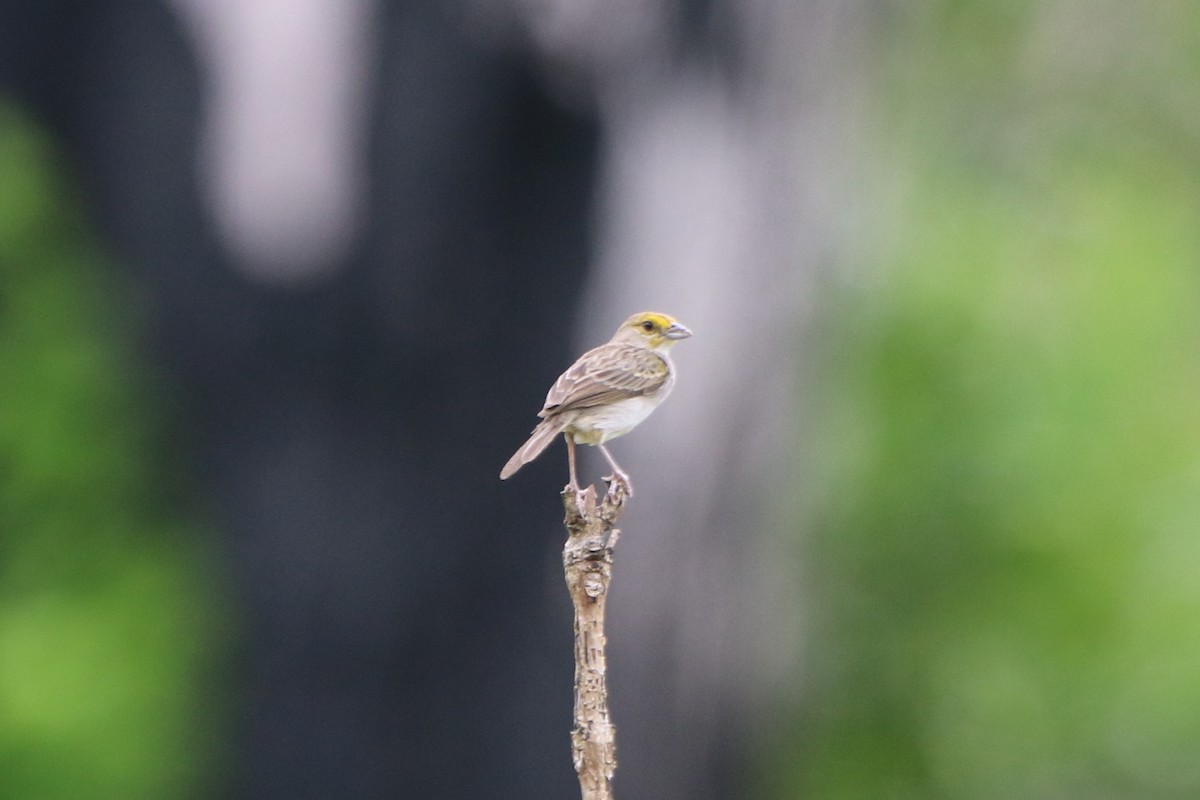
pixel 677 331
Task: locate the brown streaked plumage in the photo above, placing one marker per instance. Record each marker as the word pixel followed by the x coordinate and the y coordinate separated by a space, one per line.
pixel 607 392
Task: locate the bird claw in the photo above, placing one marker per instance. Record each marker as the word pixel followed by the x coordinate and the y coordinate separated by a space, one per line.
pixel 619 483
pixel 582 495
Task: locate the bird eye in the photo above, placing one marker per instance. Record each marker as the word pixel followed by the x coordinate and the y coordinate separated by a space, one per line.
pixel 647 326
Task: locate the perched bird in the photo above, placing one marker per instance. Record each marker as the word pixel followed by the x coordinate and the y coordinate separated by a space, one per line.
pixel 607 393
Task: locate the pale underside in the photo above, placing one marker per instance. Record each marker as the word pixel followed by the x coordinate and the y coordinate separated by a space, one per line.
pixel 601 423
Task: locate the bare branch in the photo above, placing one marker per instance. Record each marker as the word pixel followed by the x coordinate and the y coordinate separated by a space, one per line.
pixel 587 563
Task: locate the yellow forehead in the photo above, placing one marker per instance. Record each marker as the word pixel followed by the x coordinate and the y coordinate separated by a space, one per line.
pixel 660 321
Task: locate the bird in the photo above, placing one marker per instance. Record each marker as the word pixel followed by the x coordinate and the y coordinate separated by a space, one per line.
pixel 606 393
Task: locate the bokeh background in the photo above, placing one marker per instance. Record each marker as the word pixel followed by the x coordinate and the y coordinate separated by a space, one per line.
pixel 282 284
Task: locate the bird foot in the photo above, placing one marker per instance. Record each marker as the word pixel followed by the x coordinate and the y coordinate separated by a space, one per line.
pixel 584 498
pixel 619 484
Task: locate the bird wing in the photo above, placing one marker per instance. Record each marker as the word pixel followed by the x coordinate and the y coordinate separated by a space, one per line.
pixel 608 373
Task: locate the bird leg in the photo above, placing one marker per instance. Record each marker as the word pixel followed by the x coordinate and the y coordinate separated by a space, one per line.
pixel 619 476
pixel 574 484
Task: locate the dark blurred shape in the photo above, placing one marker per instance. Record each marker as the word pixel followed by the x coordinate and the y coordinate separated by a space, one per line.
pixel 398 638
pixel 349 384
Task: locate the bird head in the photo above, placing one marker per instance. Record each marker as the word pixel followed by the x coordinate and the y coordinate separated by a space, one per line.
pixel 651 329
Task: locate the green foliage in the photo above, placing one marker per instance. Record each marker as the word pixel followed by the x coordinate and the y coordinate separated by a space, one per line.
pixel 103 625
pixel 1005 556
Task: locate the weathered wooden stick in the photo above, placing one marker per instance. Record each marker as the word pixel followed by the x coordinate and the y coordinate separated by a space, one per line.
pixel 587 563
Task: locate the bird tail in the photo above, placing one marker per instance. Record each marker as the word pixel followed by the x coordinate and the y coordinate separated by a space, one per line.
pixel 538 441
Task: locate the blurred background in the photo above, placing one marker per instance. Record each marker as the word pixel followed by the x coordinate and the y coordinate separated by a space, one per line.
pixel 282 286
